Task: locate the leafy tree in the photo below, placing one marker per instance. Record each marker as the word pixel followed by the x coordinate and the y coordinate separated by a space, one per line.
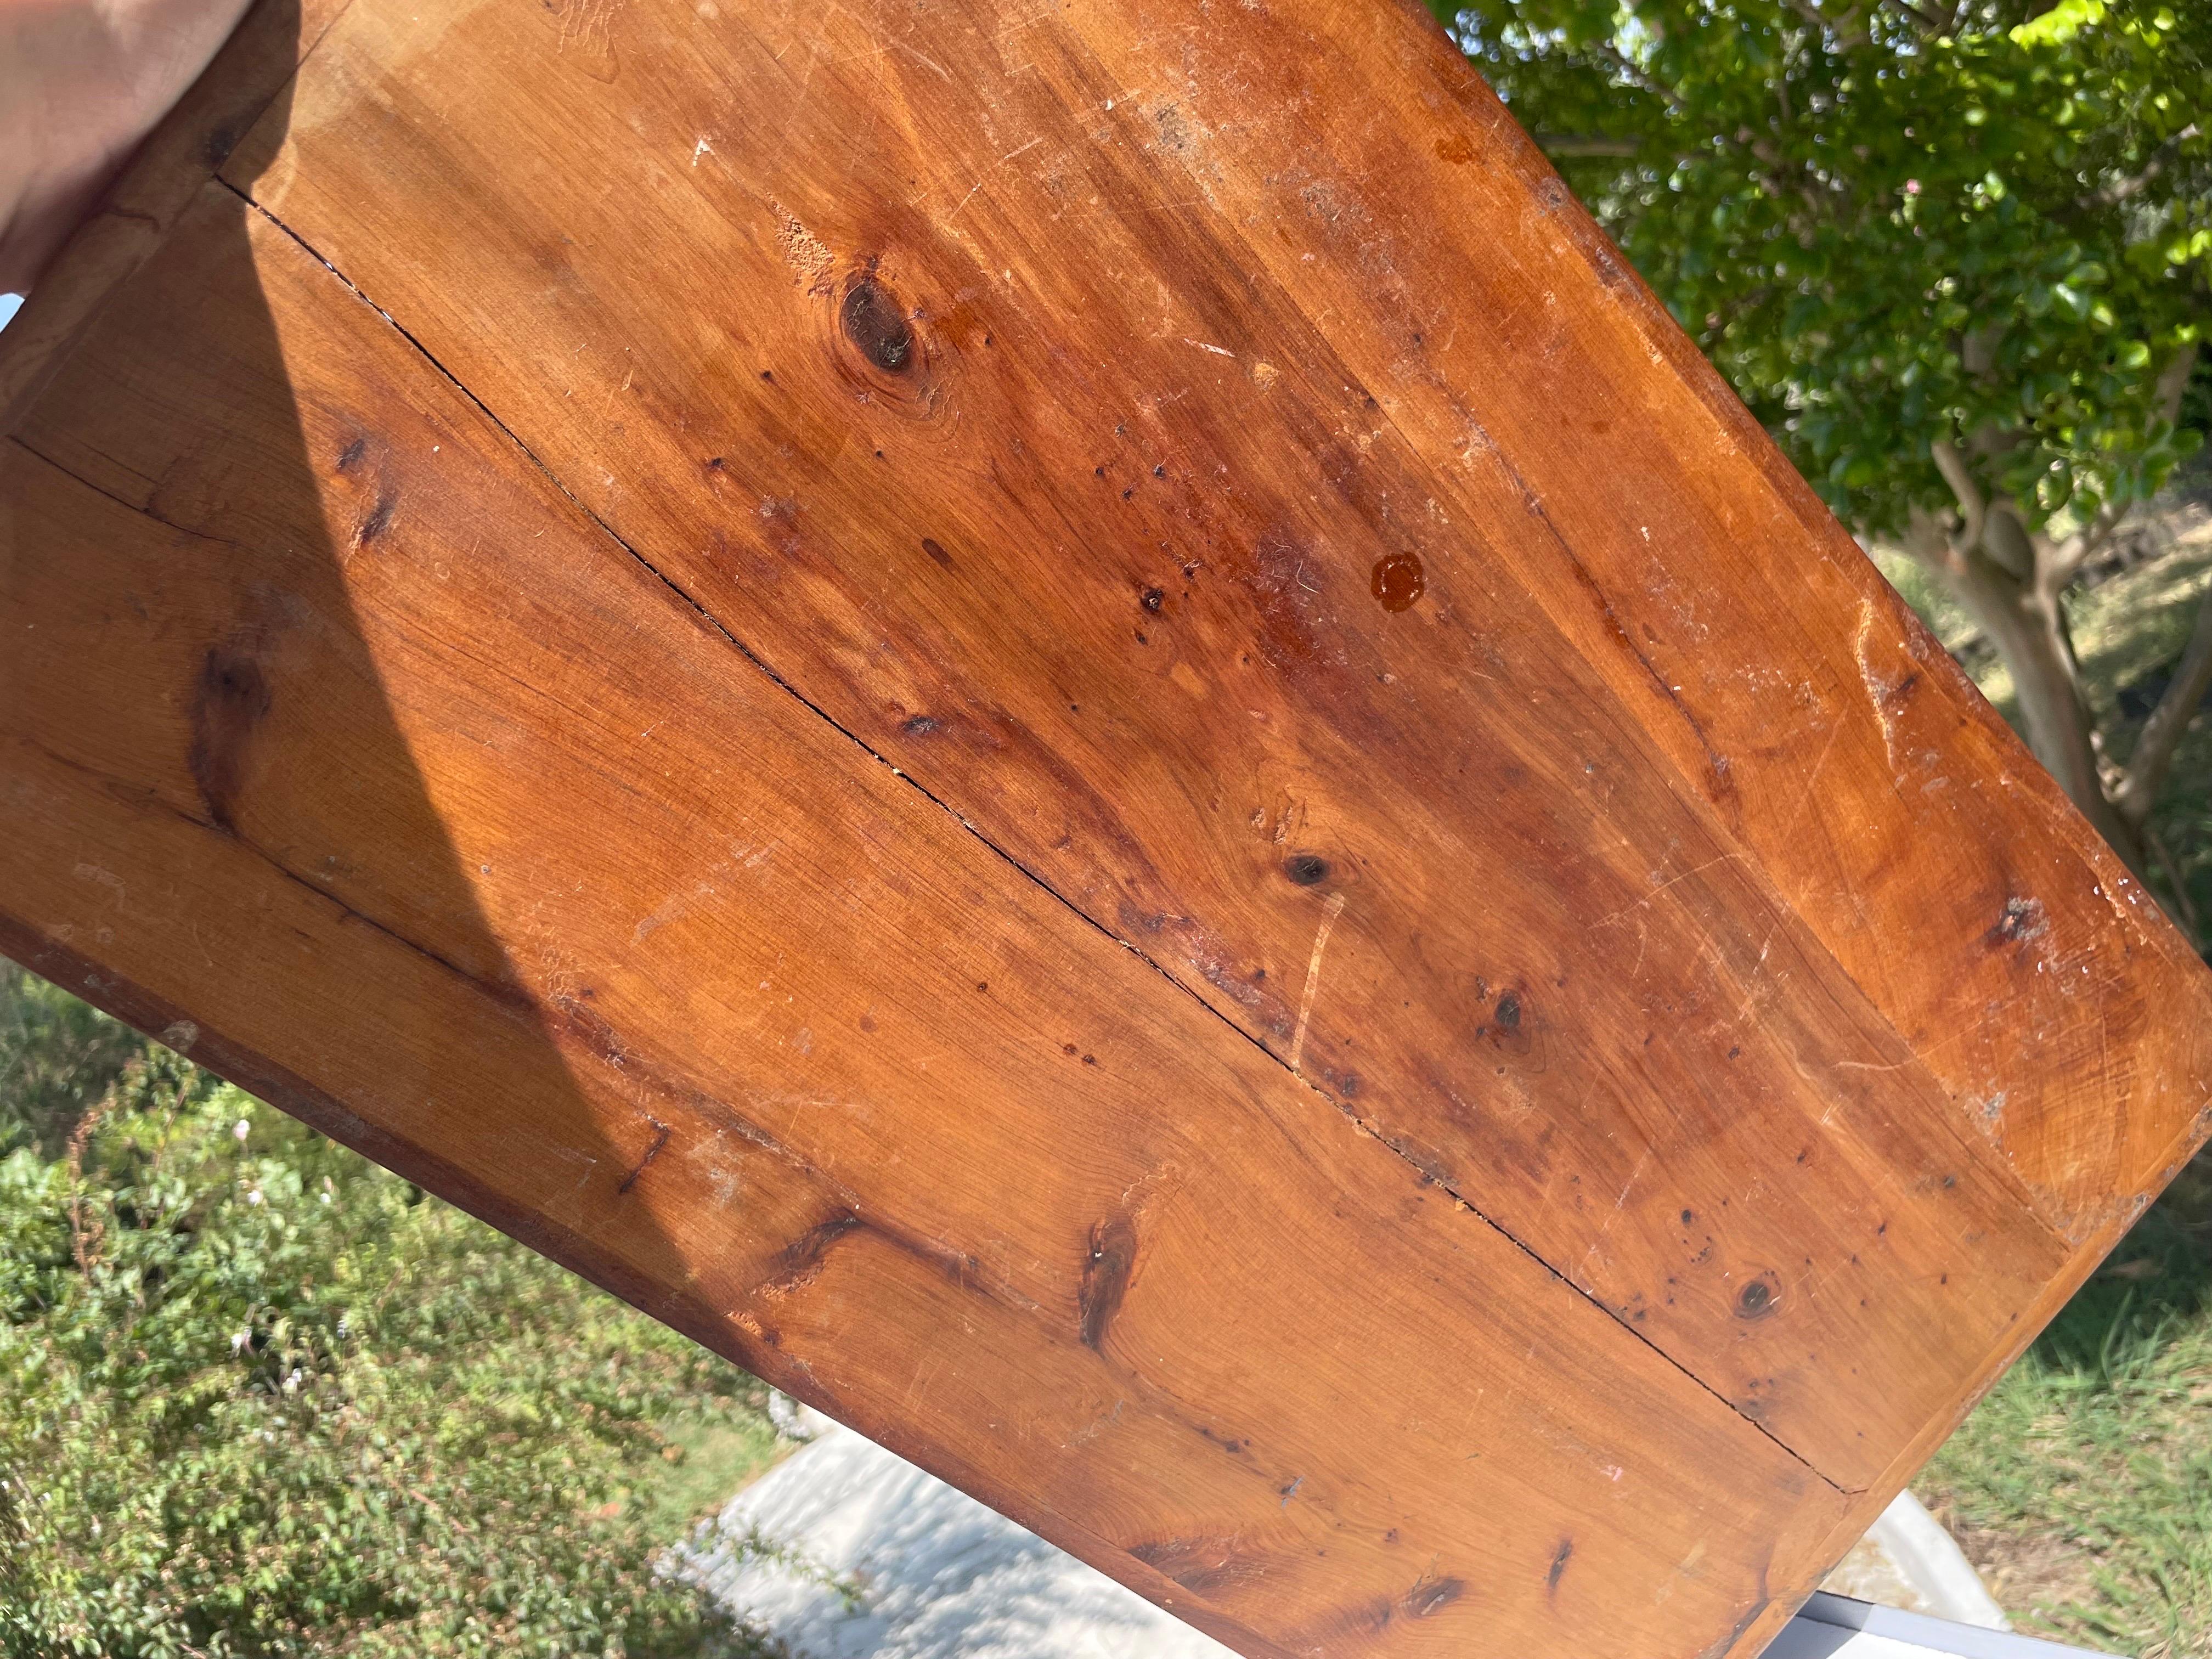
pixel 258 1397
pixel 1954 253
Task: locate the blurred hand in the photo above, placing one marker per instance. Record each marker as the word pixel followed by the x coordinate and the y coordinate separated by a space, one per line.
pixel 81 83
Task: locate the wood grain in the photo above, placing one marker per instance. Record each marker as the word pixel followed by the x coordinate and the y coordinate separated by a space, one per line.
pixel 1097 561
pixel 1071 724
pixel 850 1101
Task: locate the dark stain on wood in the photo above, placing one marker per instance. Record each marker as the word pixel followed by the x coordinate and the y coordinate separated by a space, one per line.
pixel 2021 920
pixel 1759 1298
pixel 230 700
pixel 1397 581
pixel 806 1252
pixel 1106 1270
pixel 379 519
pixel 216 146
pixel 873 322
pixel 1431 1597
pixel 1558 1570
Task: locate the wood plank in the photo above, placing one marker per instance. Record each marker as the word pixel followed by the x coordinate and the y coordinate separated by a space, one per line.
pixel 1579 879
pixel 1019 481
pixel 346 752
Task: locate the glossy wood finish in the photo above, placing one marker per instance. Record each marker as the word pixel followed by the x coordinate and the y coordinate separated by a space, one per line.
pixel 1070 723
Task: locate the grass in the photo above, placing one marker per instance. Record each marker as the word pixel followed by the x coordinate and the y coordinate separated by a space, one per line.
pixel 2081 1487
pixel 715 1460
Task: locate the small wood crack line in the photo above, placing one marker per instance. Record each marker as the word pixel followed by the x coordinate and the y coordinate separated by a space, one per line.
pixel 1014 863
pixel 128 505
pixel 659 1140
pixel 510 997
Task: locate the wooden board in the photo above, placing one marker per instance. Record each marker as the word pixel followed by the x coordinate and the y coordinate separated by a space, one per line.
pixel 1071 724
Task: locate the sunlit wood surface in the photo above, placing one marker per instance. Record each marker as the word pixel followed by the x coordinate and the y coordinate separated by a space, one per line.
pixel 1067 721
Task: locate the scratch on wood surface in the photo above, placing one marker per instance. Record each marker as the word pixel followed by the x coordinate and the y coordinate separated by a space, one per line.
pixel 1698 870
pixel 886 42
pixel 991 173
pixel 803 251
pixel 1812 780
pixel 660 1141
pixel 1751 979
pixel 1330 912
pixel 1620 1208
pixel 669 909
pixel 568 1154
pixel 1877 693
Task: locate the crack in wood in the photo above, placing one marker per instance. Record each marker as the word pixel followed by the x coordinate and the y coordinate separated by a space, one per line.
pixel 659 1140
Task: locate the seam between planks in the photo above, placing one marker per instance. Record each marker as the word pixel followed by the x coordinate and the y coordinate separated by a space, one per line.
pixel 1357 1122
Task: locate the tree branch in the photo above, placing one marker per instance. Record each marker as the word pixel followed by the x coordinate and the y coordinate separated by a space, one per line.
pixel 2064 561
pixel 1847 36
pixel 2161 734
pixel 1972 502
pixel 1563 145
pixel 85 1242
pixel 1927 540
pixel 2116 190
pixel 1928 21
pixel 1634 73
pixel 2173 381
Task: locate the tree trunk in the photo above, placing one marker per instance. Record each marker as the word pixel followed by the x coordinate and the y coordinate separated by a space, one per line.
pixel 2026 624
pixel 2011 578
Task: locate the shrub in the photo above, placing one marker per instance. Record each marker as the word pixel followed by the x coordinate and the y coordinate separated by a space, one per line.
pixel 260 1397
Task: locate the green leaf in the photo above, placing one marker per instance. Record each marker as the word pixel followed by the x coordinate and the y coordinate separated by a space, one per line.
pixel 2058 25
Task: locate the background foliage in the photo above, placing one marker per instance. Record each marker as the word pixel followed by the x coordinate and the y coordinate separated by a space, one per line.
pixel 260 1397
pixel 1892 222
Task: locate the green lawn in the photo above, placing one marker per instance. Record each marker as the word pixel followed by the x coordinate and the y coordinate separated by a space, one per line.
pixel 2082 1486
pixel 715 1460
